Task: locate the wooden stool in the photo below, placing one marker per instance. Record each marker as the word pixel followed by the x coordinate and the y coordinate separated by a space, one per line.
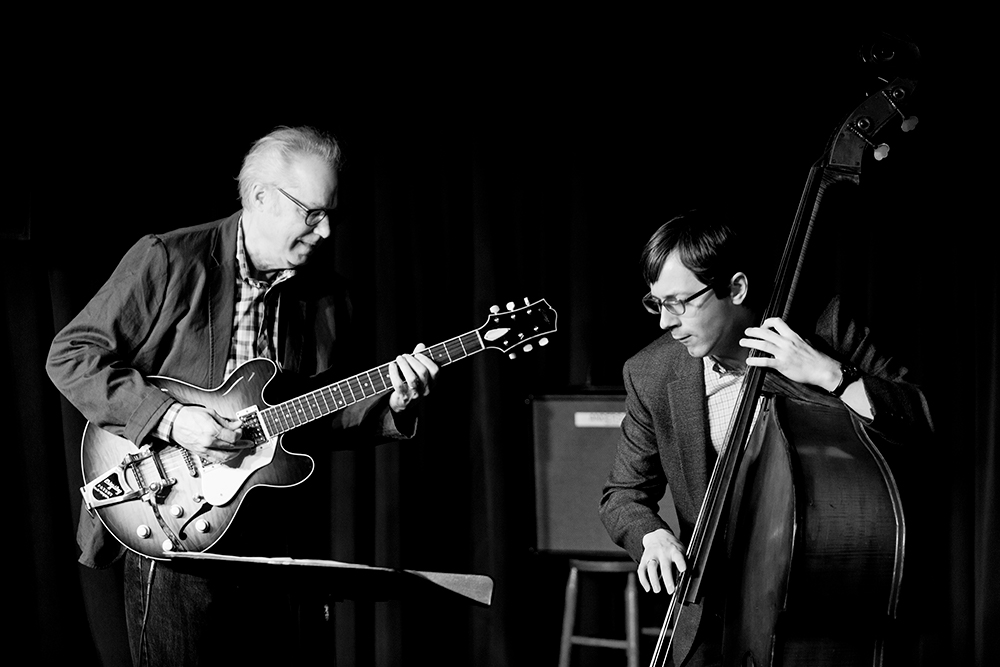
pixel 631 642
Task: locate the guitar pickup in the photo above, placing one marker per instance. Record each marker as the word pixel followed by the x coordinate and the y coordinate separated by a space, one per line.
pixel 253 429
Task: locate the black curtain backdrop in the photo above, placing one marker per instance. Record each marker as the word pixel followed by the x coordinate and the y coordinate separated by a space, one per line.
pixel 533 163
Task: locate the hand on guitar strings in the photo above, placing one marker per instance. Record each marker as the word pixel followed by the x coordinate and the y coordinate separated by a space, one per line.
pixel 412 376
pixel 208 434
pixel 662 552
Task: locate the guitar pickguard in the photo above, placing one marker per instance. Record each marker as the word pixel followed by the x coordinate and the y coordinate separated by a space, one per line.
pixel 220 482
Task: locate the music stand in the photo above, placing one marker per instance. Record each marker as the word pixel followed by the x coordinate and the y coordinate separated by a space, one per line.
pixel 343 581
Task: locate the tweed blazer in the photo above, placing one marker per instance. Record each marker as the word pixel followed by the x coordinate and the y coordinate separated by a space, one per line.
pixel 167 309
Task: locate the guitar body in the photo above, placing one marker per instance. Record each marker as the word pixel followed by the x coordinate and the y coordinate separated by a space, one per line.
pixel 160 497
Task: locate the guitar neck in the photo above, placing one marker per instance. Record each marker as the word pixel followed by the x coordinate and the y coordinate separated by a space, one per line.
pixel 309 407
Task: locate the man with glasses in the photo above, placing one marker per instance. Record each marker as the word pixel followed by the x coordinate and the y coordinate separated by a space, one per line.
pixel 193 305
pixel 682 390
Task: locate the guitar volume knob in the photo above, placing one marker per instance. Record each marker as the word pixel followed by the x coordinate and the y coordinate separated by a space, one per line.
pixel 176 511
pixel 143 531
pixel 202 526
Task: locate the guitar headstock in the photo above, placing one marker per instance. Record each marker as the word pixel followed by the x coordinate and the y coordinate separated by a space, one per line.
pixel 518 327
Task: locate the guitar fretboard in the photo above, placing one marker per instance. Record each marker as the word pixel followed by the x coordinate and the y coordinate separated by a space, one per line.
pixel 285 416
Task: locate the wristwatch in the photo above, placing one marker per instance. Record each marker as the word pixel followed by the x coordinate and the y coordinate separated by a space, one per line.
pixel 848 374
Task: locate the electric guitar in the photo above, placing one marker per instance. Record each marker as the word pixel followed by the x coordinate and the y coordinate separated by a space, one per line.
pixel 158 497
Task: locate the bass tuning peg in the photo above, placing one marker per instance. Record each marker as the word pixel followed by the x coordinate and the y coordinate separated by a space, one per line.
pixel 909 122
pixel 860 127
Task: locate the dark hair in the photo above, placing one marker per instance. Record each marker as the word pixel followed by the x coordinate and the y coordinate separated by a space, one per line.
pixel 706 244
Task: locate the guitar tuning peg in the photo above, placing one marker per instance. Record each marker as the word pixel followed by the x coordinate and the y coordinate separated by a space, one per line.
pixel 526 302
pixel 512 355
pixel 494 309
pixel 510 305
pixel 910 123
pixel 543 342
pixel 882 151
pixel 528 348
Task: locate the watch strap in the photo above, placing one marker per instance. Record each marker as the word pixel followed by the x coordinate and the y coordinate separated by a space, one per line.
pixel 848 374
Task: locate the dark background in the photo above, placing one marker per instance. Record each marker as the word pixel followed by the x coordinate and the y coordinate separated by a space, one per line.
pixel 524 158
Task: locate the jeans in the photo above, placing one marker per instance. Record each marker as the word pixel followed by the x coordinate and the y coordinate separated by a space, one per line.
pixel 194 620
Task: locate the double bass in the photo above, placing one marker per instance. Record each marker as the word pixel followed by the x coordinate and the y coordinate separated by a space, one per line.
pixel 802 505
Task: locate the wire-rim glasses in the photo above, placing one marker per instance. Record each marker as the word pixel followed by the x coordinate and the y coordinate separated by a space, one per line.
pixel 671 305
pixel 314 216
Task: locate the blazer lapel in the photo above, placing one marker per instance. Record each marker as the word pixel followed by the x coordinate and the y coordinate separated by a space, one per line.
pixel 222 283
pixel 686 394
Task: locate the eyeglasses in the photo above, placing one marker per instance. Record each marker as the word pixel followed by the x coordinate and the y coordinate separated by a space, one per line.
pixel 672 306
pixel 314 216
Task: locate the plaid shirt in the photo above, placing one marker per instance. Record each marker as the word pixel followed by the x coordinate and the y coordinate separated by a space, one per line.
pixel 255 324
pixel 722 389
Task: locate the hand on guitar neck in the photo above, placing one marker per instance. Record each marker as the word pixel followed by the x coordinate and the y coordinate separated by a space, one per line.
pixel 412 376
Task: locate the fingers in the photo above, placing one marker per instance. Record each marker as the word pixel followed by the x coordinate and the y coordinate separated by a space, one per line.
pixel 649 575
pixel 773 337
pixel 412 376
pixel 662 554
pixel 208 434
pixel 418 369
pixel 651 572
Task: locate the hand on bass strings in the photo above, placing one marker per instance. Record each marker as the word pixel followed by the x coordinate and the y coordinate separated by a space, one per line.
pixel 208 434
pixel 790 354
pixel 412 376
pixel 662 552
pixel 799 361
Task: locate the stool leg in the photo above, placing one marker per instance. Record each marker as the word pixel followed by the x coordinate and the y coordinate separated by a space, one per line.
pixel 632 619
pixel 569 618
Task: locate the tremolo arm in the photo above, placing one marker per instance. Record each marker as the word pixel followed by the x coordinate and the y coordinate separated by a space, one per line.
pixel 127 482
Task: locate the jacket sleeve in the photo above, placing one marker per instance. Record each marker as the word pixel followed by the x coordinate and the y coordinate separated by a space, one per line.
pixel 637 483
pixel 900 412
pixel 90 360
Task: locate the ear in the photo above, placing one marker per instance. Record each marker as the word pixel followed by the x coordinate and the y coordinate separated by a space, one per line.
pixel 739 285
pixel 258 194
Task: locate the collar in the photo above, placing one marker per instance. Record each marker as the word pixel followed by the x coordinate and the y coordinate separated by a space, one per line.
pixel 720 369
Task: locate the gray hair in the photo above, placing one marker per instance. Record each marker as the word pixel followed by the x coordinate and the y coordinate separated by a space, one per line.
pixel 275 152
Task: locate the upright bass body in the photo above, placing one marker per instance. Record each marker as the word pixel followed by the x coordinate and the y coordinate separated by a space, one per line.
pixel 816 558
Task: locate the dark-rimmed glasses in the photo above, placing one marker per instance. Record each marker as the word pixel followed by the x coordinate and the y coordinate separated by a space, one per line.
pixel 671 305
pixel 314 216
